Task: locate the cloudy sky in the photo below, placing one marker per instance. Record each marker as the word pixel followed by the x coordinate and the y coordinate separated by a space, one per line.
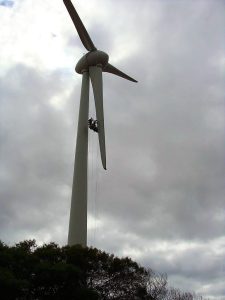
pixel 161 201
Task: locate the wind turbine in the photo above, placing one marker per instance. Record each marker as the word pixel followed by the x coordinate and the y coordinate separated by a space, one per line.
pixel 91 65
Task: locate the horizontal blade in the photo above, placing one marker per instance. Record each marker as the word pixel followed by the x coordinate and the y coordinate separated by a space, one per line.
pixel 96 80
pixel 83 34
pixel 111 69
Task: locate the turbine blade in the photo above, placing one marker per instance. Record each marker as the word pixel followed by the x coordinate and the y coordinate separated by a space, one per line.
pixel 111 69
pixel 82 32
pixel 96 80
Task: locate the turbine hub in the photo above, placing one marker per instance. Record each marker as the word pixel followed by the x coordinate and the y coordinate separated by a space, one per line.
pixel 92 58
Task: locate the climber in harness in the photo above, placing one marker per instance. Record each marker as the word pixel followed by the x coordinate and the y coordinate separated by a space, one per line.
pixel 93 124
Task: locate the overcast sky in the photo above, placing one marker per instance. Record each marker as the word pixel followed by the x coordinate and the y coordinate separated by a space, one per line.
pixel 161 201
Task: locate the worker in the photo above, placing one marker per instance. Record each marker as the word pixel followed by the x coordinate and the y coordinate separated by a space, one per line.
pixel 93 124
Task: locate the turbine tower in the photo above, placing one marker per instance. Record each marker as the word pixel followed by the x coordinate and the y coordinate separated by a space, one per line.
pixel 91 65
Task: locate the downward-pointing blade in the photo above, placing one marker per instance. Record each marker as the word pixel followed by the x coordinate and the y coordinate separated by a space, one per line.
pixel 111 69
pixel 96 80
pixel 83 34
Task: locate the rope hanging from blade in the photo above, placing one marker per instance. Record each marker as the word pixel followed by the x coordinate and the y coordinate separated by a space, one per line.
pixel 93 179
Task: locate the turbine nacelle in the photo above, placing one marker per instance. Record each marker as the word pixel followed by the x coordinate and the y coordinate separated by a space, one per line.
pixel 91 59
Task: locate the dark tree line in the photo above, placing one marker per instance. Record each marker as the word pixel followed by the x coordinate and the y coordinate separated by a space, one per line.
pixel 53 272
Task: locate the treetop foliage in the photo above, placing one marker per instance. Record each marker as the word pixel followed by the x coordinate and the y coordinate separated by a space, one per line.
pixel 28 271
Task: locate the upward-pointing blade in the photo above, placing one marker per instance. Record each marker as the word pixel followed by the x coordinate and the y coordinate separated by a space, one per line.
pixel 83 34
pixel 111 69
pixel 96 80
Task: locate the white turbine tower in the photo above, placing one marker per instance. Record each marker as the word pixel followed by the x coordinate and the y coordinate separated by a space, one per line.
pixel 91 65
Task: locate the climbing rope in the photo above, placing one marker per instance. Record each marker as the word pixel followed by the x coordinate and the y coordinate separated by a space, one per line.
pixel 94 184
pixel 96 189
pixel 93 175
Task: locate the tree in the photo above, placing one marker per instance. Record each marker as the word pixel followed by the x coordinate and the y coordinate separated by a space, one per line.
pixel 176 294
pixel 52 272
pixel 156 284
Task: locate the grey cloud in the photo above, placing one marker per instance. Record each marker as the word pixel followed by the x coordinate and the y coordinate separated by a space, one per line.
pixel 164 137
pixel 163 142
pixel 34 139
